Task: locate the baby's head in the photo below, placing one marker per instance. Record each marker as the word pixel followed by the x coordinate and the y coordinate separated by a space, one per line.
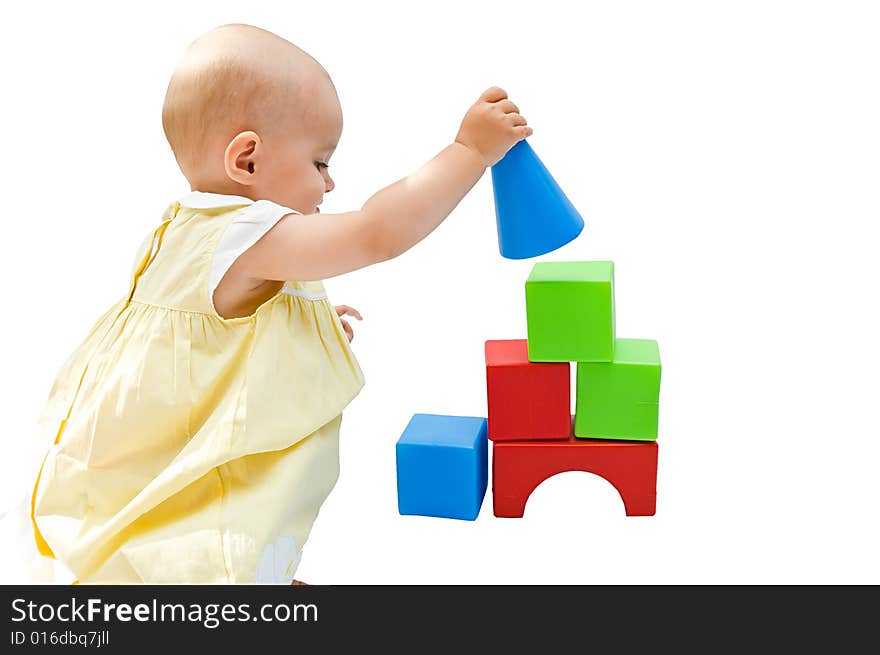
pixel 248 113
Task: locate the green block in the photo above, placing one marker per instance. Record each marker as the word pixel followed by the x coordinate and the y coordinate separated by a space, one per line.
pixel 570 312
pixel 620 399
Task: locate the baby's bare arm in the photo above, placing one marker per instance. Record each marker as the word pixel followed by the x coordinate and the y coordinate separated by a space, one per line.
pixel 320 246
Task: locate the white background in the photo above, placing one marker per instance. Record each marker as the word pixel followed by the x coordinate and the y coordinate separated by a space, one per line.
pixel 725 156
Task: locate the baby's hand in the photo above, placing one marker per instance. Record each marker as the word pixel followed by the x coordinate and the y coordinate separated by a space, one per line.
pixel 492 126
pixel 343 310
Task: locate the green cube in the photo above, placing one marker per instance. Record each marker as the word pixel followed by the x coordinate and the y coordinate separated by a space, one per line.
pixel 570 312
pixel 620 399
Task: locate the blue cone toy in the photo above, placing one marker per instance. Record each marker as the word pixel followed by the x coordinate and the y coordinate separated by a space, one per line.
pixel 534 216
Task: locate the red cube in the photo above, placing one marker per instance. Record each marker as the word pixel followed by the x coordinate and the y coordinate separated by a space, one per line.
pixel 527 401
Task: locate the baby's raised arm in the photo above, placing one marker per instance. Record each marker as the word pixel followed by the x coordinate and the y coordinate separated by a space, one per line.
pixel 320 246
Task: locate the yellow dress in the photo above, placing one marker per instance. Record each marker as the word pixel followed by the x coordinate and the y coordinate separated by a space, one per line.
pixel 188 448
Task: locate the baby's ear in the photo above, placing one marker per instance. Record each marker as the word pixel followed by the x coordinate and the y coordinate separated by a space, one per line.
pixel 240 158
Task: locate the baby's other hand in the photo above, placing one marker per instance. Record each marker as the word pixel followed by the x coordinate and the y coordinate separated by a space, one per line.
pixel 345 310
pixel 492 126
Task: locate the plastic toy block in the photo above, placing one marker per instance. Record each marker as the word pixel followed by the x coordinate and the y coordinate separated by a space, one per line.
pixel 442 466
pixel 620 399
pixel 532 214
pixel 518 467
pixel 526 400
pixel 570 312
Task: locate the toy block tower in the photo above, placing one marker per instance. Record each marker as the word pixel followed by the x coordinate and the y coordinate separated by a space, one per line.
pixel 442 461
pixel 570 318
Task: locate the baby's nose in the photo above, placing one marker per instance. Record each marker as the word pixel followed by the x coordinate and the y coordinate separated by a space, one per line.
pixel 330 185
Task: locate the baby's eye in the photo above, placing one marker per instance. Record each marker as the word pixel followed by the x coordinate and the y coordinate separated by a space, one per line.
pixel 321 164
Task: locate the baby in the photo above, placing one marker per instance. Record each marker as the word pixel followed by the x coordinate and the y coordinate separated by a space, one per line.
pixel 193 435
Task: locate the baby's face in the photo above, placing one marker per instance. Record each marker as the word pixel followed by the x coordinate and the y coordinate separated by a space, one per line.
pixel 295 167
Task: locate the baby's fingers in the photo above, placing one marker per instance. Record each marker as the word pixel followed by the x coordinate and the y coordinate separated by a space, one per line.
pixel 507 106
pixel 345 310
pixel 493 94
pixel 349 332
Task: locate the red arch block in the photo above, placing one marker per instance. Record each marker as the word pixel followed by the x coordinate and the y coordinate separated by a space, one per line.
pixel 518 467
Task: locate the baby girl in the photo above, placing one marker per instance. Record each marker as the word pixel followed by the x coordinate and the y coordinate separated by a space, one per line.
pixel 192 437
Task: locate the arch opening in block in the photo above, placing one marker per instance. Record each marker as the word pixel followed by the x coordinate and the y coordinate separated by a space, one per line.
pixel 574 492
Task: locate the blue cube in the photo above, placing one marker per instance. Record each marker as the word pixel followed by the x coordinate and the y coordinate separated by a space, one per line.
pixel 442 466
